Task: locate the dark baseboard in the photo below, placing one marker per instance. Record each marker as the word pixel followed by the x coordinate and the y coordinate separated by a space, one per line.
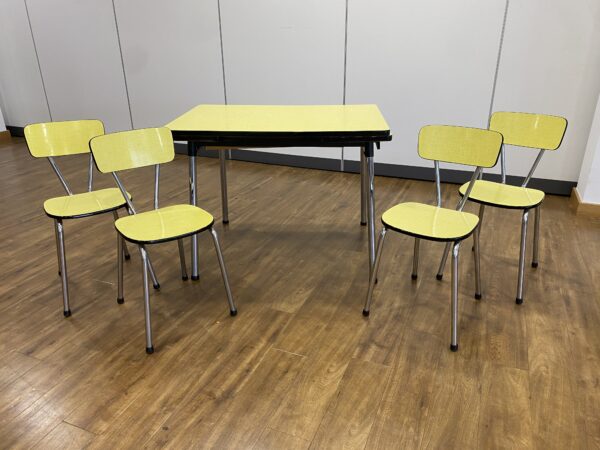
pixel 16 131
pixel 555 187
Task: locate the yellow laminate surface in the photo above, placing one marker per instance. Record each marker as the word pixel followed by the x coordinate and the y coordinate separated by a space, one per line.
pixel 530 130
pixel 281 118
pixel 164 224
pixel 85 204
pixel 430 222
pixel 460 145
pixel 131 149
pixel 505 195
pixel 61 138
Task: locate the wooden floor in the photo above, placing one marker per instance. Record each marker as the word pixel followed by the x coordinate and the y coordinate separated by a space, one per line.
pixel 299 366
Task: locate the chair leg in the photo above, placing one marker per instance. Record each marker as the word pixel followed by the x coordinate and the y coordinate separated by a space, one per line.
pixel 520 281
pixel 184 275
pixel 536 237
pixel 415 269
pixel 440 272
pixel 120 256
pixel 454 298
pixel 145 267
pixel 57 248
pixel 232 308
pixel 125 251
pixel 155 283
pixel 477 257
pixel 481 211
pixel 62 260
pixel 367 308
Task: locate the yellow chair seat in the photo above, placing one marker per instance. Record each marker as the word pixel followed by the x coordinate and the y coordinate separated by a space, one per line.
pixel 430 222
pixel 164 224
pixel 85 204
pixel 503 195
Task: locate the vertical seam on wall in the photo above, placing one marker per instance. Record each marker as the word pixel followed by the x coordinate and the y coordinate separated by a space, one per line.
pixel 37 58
pixel 498 62
pixel 345 65
pixel 122 64
pixel 222 53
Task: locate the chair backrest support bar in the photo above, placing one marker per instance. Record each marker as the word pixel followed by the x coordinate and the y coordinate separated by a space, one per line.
pixel 503 164
pixel 533 167
pixel 91 173
pixel 59 174
pixel 463 200
pixel 438 189
pixel 156 176
pixel 124 192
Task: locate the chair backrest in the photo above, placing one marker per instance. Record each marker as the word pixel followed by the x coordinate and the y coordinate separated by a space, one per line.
pixel 132 149
pixel 539 131
pixel 460 145
pixel 61 138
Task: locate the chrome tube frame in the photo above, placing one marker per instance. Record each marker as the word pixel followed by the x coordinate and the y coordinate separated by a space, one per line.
pixel 125 251
pixel 63 266
pixel 91 173
pixel 224 198
pixel 438 188
pixel 415 269
pixel 57 248
pixel 373 277
pixel 184 275
pixel 147 312
pixel 454 299
pixel 533 167
pixel 369 154
pixel 156 184
pixel 120 256
pixel 232 308
pixel 193 201
pixel 59 174
pixel 477 257
pixel 363 187
pixel 521 278
pixel 503 164
pixel 536 237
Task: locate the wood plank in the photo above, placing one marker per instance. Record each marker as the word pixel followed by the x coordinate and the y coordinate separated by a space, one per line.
pixel 65 436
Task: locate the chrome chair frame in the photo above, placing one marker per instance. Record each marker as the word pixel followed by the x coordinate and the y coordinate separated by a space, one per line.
pixel 147 266
pixel 455 253
pixel 523 240
pixel 60 233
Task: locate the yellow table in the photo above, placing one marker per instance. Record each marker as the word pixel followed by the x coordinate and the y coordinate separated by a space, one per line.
pixel 257 126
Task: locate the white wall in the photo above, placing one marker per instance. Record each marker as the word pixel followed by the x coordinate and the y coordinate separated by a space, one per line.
pixel 21 92
pixel 422 61
pixel 2 124
pixel 588 185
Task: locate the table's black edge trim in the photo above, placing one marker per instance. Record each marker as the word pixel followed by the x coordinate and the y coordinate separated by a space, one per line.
pixel 555 187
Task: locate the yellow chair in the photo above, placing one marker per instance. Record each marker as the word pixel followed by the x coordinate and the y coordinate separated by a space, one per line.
pixel 140 148
pixel 53 139
pixel 459 145
pixel 524 130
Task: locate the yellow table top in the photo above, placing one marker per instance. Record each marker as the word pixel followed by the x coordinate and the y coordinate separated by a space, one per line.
pixel 281 119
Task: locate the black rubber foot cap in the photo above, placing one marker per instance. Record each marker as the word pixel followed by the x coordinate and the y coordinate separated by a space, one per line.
pixel 439 277
pixel 195 278
pixel 150 350
pixel 477 296
pixel 59 274
pixel 67 313
pixel 363 223
pixel 519 301
pixel 454 348
pixel 534 265
pixel 226 222
pixel 233 312
pixel 120 301
pixel 366 313
pixel 413 276
pixel 156 286
pixel 184 278
pixel 127 256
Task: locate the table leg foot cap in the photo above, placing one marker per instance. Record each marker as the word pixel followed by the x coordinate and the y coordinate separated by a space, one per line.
pixel 439 276
pixel 150 350
pixel 413 276
pixel 477 296
pixel 156 286
pixel 195 277
pixel 366 313
pixel 120 301
pixel 67 313
pixel 454 348
pixel 534 265
pixel 233 312
pixel 519 301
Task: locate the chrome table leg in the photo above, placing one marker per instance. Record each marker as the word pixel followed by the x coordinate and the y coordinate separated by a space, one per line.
pixel 369 154
pixel 363 187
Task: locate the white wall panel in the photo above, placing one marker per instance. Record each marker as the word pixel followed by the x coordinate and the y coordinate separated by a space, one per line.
pixel 551 64
pixel 21 92
pixel 423 62
pixel 285 52
pixel 80 60
pixel 172 57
